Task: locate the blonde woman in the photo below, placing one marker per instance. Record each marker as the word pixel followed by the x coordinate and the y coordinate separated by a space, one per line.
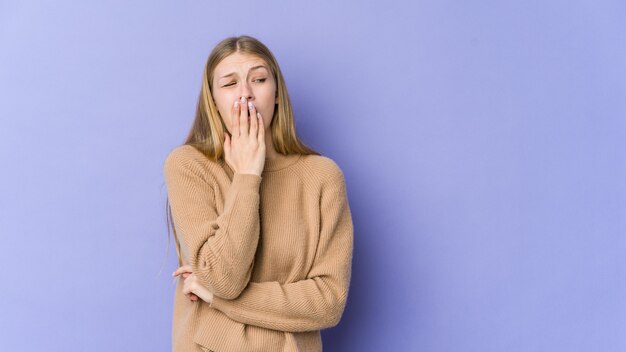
pixel 261 222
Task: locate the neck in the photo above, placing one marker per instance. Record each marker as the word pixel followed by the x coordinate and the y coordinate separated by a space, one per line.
pixel 275 161
pixel 270 152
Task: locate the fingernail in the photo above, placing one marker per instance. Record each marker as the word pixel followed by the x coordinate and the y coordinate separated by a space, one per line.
pixel 250 106
pixel 243 100
pixel 236 103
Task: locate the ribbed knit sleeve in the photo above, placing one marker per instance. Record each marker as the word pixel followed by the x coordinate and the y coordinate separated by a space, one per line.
pixel 314 303
pixel 220 247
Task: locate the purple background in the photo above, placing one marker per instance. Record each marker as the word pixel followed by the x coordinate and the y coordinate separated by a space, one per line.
pixel 483 144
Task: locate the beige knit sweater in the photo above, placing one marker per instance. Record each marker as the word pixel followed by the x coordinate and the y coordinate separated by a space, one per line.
pixel 275 250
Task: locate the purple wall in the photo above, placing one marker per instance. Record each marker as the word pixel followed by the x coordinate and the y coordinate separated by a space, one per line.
pixel 483 144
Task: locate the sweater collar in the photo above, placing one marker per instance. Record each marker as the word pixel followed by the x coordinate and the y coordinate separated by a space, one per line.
pixel 280 162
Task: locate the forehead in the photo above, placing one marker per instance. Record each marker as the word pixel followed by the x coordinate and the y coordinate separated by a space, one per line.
pixel 238 62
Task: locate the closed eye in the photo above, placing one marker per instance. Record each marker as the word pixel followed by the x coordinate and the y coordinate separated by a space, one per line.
pixel 261 80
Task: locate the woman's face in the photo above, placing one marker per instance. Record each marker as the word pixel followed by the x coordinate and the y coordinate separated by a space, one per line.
pixel 244 75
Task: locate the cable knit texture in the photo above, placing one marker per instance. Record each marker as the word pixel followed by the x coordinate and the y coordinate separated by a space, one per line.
pixel 275 250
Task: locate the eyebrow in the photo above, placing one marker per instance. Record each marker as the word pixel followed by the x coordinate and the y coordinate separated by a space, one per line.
pixel 253 68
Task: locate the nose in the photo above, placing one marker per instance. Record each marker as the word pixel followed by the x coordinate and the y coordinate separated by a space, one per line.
pixel 246 92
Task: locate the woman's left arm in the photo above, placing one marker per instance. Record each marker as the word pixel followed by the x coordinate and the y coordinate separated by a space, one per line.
pixel 317 302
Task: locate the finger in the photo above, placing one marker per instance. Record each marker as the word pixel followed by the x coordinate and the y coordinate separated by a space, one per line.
pixel 191 296
pixel 254 121
pixel 243 118
pixel 261 133
pixel 235 118
pixel 182 269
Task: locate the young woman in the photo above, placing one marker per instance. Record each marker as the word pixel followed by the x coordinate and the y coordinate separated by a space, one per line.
pixel 262 225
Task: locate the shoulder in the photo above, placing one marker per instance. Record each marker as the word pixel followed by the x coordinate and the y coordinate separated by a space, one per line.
pixel 187 157
pixel 323 168
pixel 183 152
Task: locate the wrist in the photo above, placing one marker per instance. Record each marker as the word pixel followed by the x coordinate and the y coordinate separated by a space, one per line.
pixel 248 173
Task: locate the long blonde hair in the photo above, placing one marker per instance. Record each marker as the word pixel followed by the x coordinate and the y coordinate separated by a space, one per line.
pixel 207 131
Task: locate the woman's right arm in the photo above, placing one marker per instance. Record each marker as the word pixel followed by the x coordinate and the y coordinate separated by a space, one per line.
pixel 220 247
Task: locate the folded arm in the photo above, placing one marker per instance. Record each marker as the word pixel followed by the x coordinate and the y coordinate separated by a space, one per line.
pixel 316 302
pixel 219 247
